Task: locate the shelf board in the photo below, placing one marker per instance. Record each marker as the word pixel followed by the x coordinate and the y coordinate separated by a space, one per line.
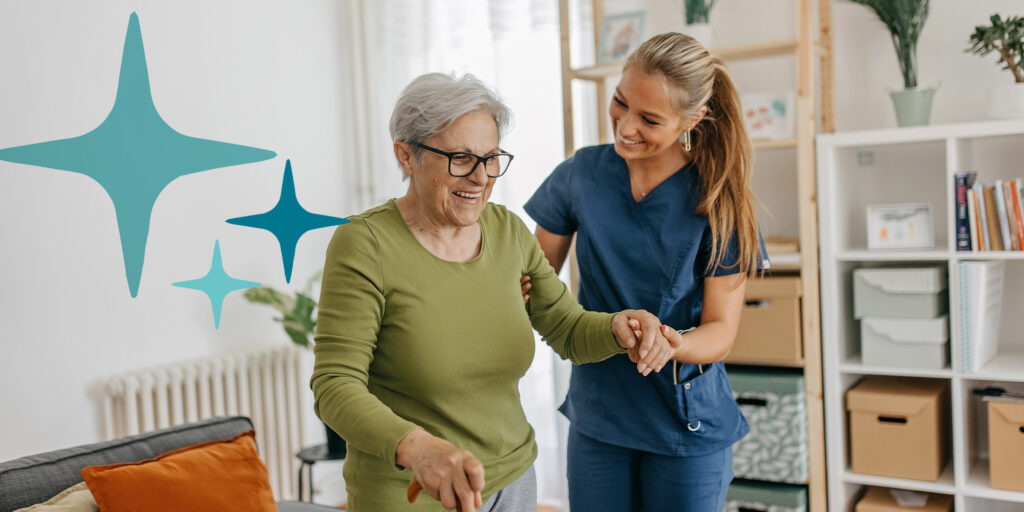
pixel 775 144
pixel 728 53
pixel 785 261
pixel 853 365
pixel 1008 366
pixel 892 255
pixel 989 255
pixel 978 485
pixel 944 485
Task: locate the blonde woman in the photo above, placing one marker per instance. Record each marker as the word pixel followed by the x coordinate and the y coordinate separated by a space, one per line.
pixel 664 220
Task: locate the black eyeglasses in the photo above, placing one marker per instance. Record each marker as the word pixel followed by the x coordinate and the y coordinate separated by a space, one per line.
pixel 461 164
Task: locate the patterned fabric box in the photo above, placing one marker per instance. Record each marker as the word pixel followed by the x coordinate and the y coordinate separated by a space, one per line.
pixel 746 496
pixel 775 407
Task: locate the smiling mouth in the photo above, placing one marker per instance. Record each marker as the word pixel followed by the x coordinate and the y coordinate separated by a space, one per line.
pixel 627 142
pixel 467 195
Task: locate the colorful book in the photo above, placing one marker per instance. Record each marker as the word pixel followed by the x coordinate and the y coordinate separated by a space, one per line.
pixel 972 221
pixel 1004 224
pixel 979 196
pixel 995 235
pixel 962 180
pixel 1011 216
pixel 1015 194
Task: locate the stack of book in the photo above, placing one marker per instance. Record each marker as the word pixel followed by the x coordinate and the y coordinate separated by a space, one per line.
pixel 989 218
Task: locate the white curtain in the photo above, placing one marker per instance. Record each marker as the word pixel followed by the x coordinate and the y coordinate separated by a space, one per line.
pixel 513 45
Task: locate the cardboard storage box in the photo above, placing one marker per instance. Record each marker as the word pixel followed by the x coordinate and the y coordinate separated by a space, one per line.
pixel 899 427
pixel 905 342
pixel 1006 444
pixel 748 496
pixel 878 499
pixel 900 292
pixel 774 404
pixel 769 330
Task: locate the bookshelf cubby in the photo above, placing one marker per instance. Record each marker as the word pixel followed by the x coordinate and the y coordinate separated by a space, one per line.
pixel 915 165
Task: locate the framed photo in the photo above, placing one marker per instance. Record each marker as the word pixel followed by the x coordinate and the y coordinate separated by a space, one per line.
pixel 769 116
pixel 900 226
pixel 620 35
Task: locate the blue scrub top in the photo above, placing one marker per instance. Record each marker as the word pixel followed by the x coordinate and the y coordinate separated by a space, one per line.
pixel 653 255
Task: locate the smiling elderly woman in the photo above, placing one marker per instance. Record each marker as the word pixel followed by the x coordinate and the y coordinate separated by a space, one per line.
pixel 422 334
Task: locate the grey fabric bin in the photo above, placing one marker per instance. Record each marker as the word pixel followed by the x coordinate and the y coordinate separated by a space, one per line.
pixel 749 495
pixel 905 342
pixel 900 292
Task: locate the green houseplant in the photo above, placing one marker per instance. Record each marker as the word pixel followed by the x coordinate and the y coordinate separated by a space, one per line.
pixel 1005 38
pixel 298 317
pixel 697 23
pixel 905 19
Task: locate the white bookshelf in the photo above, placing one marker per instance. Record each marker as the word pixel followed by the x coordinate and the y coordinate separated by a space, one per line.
pixel 914 165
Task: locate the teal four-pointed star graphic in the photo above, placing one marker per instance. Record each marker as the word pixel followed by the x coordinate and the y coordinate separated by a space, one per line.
pixel 133 154
pixel 217 284
pixel 288 221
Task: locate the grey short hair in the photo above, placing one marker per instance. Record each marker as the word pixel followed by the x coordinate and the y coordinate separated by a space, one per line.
pixel 432 102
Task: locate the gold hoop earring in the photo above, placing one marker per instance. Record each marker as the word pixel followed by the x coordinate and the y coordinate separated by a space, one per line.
pixel 684 138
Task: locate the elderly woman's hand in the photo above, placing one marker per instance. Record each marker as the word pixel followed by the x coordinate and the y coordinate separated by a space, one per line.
pixel 450 475
pixel 639 332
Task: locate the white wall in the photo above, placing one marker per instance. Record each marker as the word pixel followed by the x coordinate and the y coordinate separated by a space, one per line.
pixel 261 73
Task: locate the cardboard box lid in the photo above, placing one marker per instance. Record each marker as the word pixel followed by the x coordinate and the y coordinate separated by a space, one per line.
pixel 878 498
pixel 933 331
pixel 773 288
pixel 893 395
pixel 761 381
pixel 1011 412
pixel 904 280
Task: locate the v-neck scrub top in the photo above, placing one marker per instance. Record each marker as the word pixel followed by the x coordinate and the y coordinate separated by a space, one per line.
pixel 650 254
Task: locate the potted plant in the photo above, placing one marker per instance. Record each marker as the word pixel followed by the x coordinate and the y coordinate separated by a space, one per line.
pixel 298 317
pixel 905 19
pixel 1006 39
pixel 697 24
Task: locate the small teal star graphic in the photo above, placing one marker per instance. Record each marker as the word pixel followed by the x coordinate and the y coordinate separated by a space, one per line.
pixel 133 154
pixel 288 221
pixel 217 284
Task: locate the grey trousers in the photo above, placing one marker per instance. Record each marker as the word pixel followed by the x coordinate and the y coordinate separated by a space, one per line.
pixel 518 496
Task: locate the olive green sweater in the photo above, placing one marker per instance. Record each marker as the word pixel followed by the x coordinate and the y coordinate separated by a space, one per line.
pixel 406 339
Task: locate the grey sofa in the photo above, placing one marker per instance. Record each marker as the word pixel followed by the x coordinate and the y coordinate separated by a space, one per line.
pixel 37 478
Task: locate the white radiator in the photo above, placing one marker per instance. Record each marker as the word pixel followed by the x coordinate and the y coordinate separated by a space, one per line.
pixel 267 386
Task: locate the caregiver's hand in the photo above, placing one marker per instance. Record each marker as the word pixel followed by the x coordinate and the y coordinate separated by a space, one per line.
pixel 450 475
pixel 639 332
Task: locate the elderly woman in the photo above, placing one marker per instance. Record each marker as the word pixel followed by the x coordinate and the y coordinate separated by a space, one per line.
pixel 422 334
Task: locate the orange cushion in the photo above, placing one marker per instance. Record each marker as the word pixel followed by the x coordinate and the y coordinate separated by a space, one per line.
pixel 216 475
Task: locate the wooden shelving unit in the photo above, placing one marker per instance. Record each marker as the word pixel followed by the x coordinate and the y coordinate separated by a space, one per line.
pixel 916 164
pixel 807 47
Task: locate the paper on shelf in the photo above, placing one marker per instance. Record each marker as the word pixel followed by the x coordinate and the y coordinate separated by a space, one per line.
pixel 909 498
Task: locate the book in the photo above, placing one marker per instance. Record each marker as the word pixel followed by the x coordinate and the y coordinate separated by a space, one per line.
pixel 972 221
pixel 1011 216
pixel 1015 194
pixel 1004 225
pixel 981 302
pixel 961 181
pixel 979 197
pixel 995 235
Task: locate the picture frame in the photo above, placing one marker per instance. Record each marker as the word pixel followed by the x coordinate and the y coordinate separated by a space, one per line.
pixel 620 35
pixel 900 226
pixel 769 115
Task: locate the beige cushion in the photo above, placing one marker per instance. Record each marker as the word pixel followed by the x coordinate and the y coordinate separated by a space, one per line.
pixel 76 498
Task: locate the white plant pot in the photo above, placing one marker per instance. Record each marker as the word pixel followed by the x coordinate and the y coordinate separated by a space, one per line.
pixel 1005 101
pixel 701 32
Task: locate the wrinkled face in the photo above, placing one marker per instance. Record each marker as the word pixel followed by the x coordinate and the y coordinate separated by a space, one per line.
pixel 451 201
pixel 643 120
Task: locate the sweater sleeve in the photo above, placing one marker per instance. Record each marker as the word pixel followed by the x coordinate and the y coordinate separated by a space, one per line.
pixel 348 323
pixel 574 334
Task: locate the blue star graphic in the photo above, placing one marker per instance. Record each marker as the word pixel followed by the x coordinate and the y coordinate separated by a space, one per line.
pixel 217 284
pixel 133 154
pixel 288 221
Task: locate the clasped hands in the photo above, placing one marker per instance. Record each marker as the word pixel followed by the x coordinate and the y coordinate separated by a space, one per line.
pixel 648 343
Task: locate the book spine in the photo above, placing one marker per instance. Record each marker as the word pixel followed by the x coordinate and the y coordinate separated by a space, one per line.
pixel 992 219
pixel 972 221
pixel 1004 225
pixel 1011 216
pixel 963 237
pixel 1017 213
pixel 979 194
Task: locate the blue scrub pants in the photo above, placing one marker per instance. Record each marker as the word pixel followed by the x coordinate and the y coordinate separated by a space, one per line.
pixel 608 478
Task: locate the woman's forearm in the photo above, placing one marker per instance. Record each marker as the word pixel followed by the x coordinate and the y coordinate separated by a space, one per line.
pixel 708 343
